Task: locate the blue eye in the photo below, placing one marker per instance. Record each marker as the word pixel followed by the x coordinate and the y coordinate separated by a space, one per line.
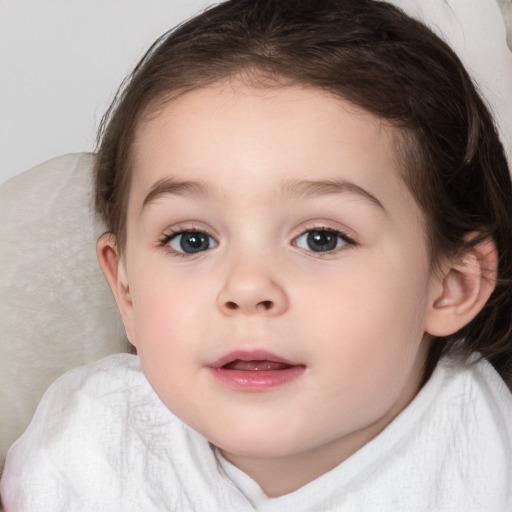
pixel 190 242
pixel 321 240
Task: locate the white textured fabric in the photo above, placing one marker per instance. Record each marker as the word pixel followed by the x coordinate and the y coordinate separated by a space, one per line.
pixel 102 440
pixel 476 31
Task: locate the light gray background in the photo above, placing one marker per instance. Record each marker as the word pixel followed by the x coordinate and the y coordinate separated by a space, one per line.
pixel 61 62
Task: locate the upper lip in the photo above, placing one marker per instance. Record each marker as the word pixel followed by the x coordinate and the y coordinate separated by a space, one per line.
pixel 251 355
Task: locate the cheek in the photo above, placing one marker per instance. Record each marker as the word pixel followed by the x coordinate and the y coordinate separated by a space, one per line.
pixel 369 321
pixel 161 313
pixel 164 339
pixel 171 313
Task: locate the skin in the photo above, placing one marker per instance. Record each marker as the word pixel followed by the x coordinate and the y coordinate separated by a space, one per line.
pixel 357 318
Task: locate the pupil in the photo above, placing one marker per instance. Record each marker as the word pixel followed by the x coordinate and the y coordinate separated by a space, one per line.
pixel 194 242
pixel 320 241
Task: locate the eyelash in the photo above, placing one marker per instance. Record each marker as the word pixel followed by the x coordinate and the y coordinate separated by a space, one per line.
pixel 349 241
pixel 168 237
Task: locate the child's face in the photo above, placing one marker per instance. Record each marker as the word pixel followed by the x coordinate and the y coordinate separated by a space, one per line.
pixel 272 226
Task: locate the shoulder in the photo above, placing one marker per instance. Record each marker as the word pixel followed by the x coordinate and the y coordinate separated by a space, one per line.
pixel 84 401
pixel 473 396
pixel 87 435
pixel 475 386
pixel 112 371
pixel 470 425
pixel 99 386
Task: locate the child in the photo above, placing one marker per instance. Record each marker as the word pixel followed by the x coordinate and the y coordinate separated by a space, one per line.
pixel 309 239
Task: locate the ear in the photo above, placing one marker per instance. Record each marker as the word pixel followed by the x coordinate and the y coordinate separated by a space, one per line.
pixel 462 289
pixel 115 271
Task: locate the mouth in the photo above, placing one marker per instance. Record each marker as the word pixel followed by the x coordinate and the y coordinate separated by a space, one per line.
pixel 263 365
pixel 255 371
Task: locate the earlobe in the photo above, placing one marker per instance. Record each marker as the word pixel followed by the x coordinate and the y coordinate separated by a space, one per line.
pixel 114 269
pixel 463 288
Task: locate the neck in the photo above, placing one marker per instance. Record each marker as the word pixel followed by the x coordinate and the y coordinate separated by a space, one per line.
pixel 282 475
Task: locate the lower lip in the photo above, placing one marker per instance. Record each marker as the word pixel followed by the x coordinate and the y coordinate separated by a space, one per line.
pixel 258 380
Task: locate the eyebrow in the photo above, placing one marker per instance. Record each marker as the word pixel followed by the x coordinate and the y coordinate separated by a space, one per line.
pixel 306 189
pixel 177 187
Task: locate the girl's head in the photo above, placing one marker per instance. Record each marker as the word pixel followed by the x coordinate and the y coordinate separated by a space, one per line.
pixel 366 53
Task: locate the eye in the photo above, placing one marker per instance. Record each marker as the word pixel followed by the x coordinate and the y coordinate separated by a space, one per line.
pixel 322 240
pixel 190 242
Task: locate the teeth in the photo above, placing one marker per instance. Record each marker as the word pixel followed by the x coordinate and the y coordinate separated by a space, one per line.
pixel 255 366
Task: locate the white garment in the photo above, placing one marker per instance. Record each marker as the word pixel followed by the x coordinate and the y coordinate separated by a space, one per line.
pixel 101 440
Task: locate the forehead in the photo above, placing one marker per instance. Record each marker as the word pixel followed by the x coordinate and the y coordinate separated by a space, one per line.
pixel 233 136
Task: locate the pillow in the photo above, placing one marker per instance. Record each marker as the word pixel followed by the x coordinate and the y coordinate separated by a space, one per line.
pixel 56 309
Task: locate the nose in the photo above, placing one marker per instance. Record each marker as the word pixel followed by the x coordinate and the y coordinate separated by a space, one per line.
pixel 251 290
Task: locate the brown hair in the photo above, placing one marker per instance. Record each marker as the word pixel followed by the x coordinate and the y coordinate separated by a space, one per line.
pixel 372 54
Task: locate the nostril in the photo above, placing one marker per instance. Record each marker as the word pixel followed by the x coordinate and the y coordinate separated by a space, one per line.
pixel 262 306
